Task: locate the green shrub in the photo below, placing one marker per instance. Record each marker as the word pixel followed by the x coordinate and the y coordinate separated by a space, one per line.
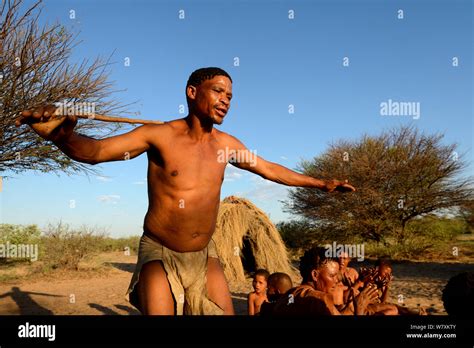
pixel 423 238
pixel 65 248
pixel 18 234
pixel 438 229
pixel 120 244
pixel 298 234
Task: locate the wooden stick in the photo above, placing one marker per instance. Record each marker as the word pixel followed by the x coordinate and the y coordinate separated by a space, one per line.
pixel 106 118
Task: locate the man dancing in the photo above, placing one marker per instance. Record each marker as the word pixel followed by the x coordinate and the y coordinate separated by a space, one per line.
pixel 178 271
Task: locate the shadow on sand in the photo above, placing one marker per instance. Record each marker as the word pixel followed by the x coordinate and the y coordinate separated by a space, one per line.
pixel 25 302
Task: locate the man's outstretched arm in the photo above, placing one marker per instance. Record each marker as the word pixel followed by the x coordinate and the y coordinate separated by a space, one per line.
pixel 82 148
pixel 245 159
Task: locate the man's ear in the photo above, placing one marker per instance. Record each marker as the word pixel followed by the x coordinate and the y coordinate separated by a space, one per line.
pixel 191 92
pixel 314 274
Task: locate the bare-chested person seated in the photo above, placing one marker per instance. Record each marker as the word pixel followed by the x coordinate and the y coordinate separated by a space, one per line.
pixel 380 276
pixel 349 275
pixel 178 270
pixel 315 296
pixel 383 279
pixel 349 278
pixel 259 294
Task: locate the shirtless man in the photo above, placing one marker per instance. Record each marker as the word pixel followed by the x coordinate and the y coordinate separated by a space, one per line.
pixel 185 174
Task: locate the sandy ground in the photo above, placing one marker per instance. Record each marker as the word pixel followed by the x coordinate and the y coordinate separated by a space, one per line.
pixel 103 292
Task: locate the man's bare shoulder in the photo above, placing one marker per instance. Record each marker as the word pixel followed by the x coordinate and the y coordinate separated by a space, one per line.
pixel 156 133
pixel 227 139
pixel 178 124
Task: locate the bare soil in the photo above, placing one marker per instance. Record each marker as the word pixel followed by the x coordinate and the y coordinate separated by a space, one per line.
pixel 99 287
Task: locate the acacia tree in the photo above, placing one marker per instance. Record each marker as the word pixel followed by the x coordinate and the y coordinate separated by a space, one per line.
pixel 399 175
pixel 35 69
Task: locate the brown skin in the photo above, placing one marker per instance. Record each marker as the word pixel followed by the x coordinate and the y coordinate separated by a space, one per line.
pixel 383 281
pixel 326 279
pixel 258 296
pixel 349 273
pixel 184 178
pixel 349 277
pixel 380 278
pixel 278 286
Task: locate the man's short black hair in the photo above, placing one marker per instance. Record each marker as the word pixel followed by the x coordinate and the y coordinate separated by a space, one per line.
pixel 313 259
pixel 203 74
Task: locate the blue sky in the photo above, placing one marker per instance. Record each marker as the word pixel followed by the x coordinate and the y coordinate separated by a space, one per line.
pixel 282 62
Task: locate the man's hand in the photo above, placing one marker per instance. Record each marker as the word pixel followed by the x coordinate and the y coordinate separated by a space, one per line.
pixel 367 275
pixel 367 296
pixel 46 124
pixel 337 185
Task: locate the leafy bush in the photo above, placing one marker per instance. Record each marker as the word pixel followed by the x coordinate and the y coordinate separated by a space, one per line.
pixel 120 244
pixel 299 234
pixel 63 247
pixel 424 237
pixel 18 234
pixel 438 229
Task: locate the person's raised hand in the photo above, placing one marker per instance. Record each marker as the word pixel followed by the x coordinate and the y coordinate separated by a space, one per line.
pixel 338 185
pixel 368 275
pixel 385 281
pixel 366 297
pixel 46 124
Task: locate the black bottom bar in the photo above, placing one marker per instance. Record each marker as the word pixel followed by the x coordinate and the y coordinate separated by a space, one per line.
pixel 244 331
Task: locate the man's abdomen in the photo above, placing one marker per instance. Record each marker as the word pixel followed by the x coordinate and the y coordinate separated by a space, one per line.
pixel 182 222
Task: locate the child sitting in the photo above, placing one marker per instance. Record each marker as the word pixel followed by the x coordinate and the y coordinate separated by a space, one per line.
pixel 259 295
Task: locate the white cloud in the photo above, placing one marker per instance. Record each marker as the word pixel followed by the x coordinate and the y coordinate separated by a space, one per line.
pixel 232 173
pixel 257 179
pixel 266 190
pixel 138 183
pixel 283 158
pixel 103 178
pixel 113 199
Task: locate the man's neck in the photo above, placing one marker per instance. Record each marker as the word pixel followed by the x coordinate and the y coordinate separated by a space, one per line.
pixel 198 129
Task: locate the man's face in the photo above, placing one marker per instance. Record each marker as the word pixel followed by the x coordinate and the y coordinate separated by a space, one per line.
pixel 327 277
pixel 211 99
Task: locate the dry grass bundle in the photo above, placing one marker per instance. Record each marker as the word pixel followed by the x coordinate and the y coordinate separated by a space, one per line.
pixel 239 219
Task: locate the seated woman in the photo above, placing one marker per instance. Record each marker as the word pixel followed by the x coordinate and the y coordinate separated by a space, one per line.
pixel 315 296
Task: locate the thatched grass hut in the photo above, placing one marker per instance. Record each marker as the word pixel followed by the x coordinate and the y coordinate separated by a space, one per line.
pixel 246 240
